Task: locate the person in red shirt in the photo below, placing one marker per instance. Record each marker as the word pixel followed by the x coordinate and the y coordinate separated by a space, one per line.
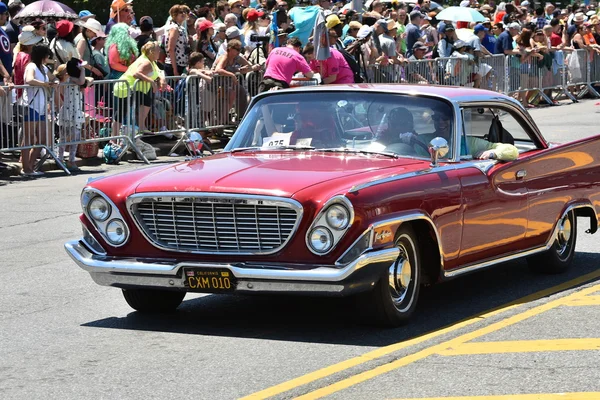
pixel 555 38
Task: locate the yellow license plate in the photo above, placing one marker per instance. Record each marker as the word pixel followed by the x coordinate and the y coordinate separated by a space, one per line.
pixel 209 280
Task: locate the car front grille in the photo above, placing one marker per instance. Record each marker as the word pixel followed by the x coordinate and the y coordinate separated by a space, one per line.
pixel 216 223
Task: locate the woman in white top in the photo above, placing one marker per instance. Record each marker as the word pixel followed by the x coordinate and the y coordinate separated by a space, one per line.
pixel 34 104
pixel 63 45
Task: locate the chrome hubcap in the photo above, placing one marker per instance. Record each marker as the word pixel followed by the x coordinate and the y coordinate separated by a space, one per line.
pixel 399 277
pixel 564 234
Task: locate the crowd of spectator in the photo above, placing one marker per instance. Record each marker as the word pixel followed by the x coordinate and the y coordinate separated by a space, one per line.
pixel 232 38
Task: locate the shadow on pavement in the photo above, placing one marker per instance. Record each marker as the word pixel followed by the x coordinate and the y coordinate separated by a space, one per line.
pixel 332 320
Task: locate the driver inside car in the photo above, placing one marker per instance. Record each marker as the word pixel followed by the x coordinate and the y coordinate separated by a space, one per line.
pixel 399 136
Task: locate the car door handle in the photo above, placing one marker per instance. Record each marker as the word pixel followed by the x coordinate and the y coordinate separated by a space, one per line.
pixel 521 174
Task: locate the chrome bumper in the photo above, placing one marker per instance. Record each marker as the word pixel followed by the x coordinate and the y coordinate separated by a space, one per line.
pixel 130 273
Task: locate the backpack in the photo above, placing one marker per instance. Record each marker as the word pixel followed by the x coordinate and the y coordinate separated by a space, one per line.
pixel 111 153
pixel 353 64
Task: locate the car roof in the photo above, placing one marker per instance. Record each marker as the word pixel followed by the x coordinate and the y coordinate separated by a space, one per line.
pixel 451 93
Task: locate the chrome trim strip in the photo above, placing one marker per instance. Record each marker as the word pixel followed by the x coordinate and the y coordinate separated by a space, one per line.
pixel 475 267
pixel 124 267
pixel 337 235
pixel 412 217
pixel 101 226
pixel 483 165
pixel 91 246
pixel 187 196
pixel 369 231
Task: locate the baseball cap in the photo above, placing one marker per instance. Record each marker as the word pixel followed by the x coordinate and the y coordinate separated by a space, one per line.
pixel 332 21
pixel 118 5
pixel 86 14
pixel 465 3
pixel 513 25
pixel 3 8
pixel 364 31
pixel 354 25
pixel 479 27
pixel 232 2
pixel 232 32
pixel 147 21
pixel 416 14
pixel 204 25
pixel 419 45
pixel 253 15
pixel 449 28
pixel 459 44
pixel 219 26
pixel 382 23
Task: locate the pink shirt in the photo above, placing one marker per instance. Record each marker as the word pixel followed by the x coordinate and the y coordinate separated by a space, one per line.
pixel 334 65
pixel 283 62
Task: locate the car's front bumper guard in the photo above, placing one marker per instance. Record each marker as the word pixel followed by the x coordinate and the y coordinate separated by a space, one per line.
pixel 131 273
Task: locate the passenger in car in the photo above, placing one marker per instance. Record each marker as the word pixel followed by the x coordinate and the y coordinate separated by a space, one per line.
pixel 478 148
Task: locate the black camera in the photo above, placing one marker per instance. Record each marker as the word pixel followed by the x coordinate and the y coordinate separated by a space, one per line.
pixel 259 38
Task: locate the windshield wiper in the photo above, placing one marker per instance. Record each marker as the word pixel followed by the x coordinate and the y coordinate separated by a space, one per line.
pixel 367 152
pixel 257 148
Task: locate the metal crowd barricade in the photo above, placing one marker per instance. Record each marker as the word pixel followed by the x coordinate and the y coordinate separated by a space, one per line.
pixel 453 71
pixel 577 78
pixel 594 69
pixel 420 72
pixel 526 77
pixel 91 117
pixel 493 73
pixel 554 78
pixel 384 73
pixel 26 124
pixel 161 111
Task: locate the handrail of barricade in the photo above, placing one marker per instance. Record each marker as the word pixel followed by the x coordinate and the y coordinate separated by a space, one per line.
pixel 100 107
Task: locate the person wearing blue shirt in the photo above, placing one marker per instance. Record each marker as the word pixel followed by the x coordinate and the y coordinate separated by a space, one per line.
pixel 413 31
pixel 6 54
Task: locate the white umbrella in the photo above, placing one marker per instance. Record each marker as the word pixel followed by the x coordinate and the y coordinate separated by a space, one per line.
pixel 464 14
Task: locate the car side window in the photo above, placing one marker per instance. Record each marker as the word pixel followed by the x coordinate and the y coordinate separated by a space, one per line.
pixel 497 125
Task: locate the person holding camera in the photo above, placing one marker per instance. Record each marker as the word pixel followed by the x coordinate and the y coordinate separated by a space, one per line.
pixel 282 64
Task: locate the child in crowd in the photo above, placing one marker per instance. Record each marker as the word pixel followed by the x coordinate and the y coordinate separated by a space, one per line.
pixel 203 99
pixel 70 98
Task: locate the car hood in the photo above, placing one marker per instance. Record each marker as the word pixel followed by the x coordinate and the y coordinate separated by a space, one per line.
pixel 280 173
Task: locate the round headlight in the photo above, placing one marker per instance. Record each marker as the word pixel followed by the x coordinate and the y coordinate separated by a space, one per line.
pixel 338 217
pixel 320 239
pixel 99 209
pixel 116 232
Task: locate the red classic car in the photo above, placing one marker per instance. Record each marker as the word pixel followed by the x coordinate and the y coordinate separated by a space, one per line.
pixel 366 190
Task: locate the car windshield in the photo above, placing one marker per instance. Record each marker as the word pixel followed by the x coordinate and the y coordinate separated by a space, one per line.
pixel 351 121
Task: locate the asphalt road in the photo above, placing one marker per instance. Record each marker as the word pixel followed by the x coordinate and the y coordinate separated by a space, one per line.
pixel 64 337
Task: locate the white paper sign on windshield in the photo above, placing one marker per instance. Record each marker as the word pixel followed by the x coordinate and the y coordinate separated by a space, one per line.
pixel 275 141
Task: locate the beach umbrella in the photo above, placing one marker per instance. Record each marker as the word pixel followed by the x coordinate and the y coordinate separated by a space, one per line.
pixel 464 14
pixel 46 9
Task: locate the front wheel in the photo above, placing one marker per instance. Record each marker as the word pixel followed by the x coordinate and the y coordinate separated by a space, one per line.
pixel 559 257
pixel 393 300
pixel 152 300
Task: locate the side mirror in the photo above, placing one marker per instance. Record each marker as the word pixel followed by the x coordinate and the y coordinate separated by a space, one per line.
pixel 438 148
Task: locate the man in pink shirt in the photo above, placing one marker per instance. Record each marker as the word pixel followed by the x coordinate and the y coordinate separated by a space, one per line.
pixel 282 64
pixel 335 69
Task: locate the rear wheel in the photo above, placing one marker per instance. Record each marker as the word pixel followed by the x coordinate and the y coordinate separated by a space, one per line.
pixel 152 300
pixel 393 300
pixel 559 257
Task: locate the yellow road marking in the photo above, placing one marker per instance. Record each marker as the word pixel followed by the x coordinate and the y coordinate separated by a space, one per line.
pixel 522 346
pixel 381 352
pixel 585 301
pixel 536 396
pixel 436 349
